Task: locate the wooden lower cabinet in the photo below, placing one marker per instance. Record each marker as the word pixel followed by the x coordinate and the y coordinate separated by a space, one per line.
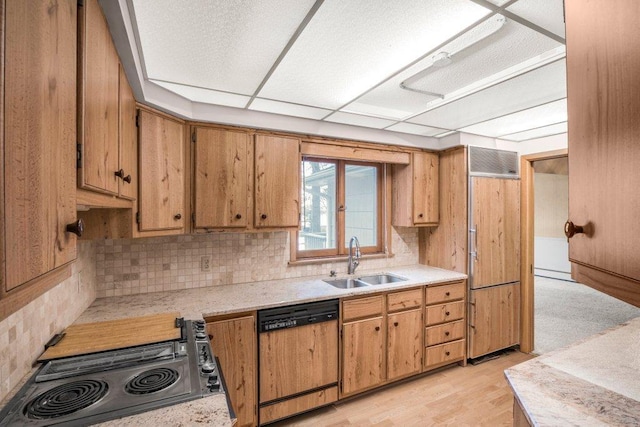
pixel 234 342
pixel 363 345
pixel 404 343
pixel 443 354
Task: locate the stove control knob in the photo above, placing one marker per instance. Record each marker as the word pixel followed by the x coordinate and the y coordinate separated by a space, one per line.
pixel 201 336
pixel 213 378
pixel 213 386
pixel 208 368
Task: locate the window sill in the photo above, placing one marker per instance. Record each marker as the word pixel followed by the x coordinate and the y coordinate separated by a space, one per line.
pixel 341 258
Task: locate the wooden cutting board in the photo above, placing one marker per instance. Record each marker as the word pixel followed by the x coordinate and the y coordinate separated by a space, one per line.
pixel 110 335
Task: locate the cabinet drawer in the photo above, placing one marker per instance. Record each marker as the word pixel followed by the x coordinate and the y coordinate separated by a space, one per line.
pixel 362 307
pixel 404 300
pixel 443 353
pixel 445 293
pixel 443 333
pixel 445 312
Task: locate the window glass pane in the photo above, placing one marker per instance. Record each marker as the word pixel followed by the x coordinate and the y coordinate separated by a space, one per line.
pixel 361 201
pixel 318 229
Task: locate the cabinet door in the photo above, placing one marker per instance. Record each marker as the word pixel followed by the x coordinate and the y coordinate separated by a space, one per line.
pixel 221 178
pixel 98 95
pixel 425 188
pixel 277 174
pixel 494 319
pixel 404 343
pixel 603 59
pixel 363 354
pixel 39 137
pixel 161 198
pixel 234 343
pixel 128 184
pixel 496 219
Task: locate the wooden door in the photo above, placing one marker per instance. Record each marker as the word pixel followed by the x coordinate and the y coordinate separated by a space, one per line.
pixel 128 184
pixel 162 163
pixel 298 359
pixel 98 97
pixel 404 343
pixel 221 178
pixel 39 137
pixel 234 343
pixel 277 176
pixel 363 354
pixel 425 188
pixel 496 219
pixel 494 319
pixel 603 59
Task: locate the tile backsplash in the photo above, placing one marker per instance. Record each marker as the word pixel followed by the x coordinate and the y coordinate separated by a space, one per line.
pixel 24 333
pixel 134 266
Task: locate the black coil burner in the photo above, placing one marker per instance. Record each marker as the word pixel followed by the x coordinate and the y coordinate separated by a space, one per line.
pixel 66 399
pixel 152 381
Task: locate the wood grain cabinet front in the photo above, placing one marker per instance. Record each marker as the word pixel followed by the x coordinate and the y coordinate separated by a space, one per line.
pixel 363 355
pixel 445 325
pixel 107 139
pixel 234 342
pixel 37 148
pixel 415 191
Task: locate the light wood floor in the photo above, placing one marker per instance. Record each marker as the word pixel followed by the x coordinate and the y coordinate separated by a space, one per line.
pixel 471 396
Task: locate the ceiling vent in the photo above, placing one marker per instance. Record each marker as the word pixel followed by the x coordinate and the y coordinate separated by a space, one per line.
pixel 492 162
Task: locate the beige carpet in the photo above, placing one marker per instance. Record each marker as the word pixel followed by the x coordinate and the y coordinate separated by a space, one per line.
pixel 566 312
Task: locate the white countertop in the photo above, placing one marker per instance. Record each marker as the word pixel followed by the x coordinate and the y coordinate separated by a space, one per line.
pixel 595 382
pixel 210 301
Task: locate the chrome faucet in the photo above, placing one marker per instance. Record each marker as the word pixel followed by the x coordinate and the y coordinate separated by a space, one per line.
pixel 353 261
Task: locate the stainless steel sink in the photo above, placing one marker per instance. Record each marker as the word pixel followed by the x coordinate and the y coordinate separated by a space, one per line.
pixel 381 279
pixel 346 283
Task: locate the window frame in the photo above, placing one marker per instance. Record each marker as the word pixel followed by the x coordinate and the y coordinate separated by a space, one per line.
pixel 342 248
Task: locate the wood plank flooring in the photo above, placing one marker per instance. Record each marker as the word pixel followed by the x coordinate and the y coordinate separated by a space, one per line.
pixel 470 396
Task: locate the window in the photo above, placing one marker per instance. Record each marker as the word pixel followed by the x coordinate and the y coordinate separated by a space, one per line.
pixel 341 199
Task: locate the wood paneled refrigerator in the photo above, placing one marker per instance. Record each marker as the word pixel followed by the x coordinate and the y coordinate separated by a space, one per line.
pixel 494 251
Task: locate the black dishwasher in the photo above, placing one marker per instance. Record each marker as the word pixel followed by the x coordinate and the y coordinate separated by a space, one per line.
pixel 298 359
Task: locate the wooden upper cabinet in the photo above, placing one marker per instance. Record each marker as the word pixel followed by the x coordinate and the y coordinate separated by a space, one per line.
pixel 415 191
pixel 277 177
pixel 128 134
pixel 603 59
pixel 98 101
pixel 37 149
pixel 221 178
pixel 496 242
pixel 161 199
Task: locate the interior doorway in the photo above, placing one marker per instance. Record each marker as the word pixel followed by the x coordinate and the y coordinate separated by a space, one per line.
pixel 562 310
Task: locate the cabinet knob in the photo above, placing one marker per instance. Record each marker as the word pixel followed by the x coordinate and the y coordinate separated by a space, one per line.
pixel 420 215
pixel 177 216
pixel 447 353
pixel 377 328
pixel 76 228
pixel 570 229
pixel 263 216
pixel 447 294
pixel 446 334
pixel 120 174
pixel 238 216
pixel 446 313
pixel 395 323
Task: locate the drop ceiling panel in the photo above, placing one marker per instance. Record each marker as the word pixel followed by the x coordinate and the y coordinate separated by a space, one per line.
pixel 216 44
pixel 288 109
pixel 555 129
pixel 536 117
pixel 548 14
pixel 482 52
pixel 542 85
pixel 349 46
pixel 359 120
pixel 416 129
pixel 205 95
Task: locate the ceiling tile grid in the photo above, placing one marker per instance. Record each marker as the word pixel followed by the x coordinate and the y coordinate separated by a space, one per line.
pixel 422 67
